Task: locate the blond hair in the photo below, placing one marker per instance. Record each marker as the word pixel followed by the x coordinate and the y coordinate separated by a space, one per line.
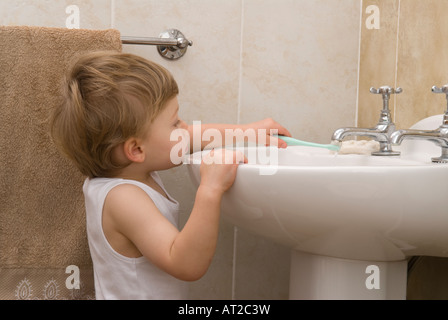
pixel 108 97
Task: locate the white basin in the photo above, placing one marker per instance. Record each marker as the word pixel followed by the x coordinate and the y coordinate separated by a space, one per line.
pixel 356 210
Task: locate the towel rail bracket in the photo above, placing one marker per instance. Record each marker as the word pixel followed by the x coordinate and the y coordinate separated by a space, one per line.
pixel 171 44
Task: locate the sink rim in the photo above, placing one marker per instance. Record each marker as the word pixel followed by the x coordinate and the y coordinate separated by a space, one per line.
pixel 343 161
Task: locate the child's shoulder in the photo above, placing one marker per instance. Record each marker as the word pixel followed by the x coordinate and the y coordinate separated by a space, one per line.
pixel 127 195
pixel 114 186
pixel 127 189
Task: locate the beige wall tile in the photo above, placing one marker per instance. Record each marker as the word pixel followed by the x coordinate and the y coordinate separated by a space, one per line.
pixel 300 61
pixel 377 60
pixel 422 63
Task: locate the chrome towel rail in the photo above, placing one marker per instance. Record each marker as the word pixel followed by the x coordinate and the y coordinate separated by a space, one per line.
pixel 171 44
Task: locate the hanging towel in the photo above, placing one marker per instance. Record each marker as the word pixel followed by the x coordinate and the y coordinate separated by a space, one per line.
pixel 43 242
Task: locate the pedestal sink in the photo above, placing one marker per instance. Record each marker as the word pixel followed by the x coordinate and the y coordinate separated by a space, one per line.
pixel 351 221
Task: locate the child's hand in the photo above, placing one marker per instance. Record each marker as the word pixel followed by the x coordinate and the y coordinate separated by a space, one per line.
pixel 218 169
pixel 268 124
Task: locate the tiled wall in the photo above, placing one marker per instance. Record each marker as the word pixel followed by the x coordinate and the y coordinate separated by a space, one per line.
pixel 293 60
pixel 409 50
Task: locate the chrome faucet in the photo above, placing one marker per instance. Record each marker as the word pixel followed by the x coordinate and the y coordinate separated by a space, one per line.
pixel 382 131
pixel 438 136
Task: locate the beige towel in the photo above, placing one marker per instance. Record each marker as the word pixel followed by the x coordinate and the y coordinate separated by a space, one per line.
pixel 42 215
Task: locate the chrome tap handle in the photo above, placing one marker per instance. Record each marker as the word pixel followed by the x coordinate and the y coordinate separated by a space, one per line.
pixel 444 90
pixel 386 91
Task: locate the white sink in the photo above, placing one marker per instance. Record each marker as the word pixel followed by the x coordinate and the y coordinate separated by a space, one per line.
pixel 342 214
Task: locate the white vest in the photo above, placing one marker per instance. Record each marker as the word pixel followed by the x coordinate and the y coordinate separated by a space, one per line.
pixel 117 276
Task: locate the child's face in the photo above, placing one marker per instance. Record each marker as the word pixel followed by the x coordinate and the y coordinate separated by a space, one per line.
pixel 158 145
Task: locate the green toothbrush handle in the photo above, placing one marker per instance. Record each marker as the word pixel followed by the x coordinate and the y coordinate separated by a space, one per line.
pixel 294 142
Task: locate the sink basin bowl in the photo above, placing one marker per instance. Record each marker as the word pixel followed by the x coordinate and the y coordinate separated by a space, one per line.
pixel 352 208
pixel 345 206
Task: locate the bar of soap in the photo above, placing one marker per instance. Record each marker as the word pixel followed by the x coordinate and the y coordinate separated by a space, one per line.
pixel 359 147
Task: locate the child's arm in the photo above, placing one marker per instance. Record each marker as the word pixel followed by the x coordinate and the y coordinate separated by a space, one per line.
pixel 266 124
pixel 136 221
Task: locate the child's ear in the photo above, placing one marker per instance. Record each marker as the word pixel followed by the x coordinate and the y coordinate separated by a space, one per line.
pixel 133 150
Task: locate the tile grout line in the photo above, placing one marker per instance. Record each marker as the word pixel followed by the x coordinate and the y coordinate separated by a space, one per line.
pixel 240 75
pixel 359 65
pixel 396 59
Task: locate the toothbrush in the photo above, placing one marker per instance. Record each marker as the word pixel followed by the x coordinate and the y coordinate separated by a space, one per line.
pixel 295 142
